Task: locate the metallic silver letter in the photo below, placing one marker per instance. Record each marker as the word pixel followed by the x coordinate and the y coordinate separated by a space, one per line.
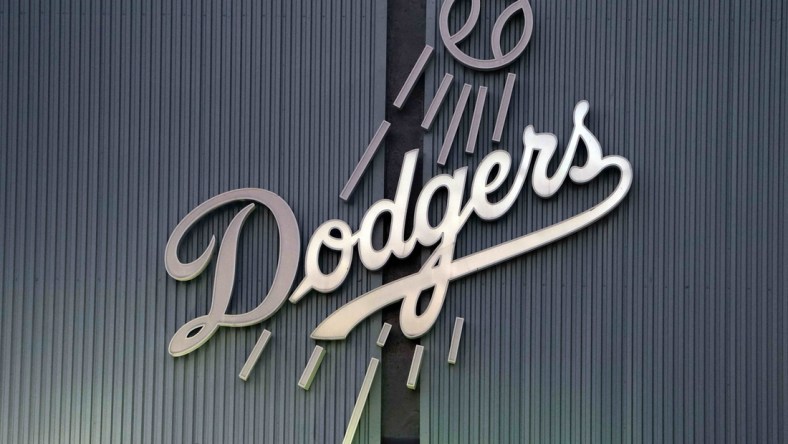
pixel 314 278
pixel 199 330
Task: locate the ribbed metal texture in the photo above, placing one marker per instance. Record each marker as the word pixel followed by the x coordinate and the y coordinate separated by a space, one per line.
pixel 118 118
pixel 665 321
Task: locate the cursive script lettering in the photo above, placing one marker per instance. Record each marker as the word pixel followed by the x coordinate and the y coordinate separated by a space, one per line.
pixel 441 267
pixel 199 330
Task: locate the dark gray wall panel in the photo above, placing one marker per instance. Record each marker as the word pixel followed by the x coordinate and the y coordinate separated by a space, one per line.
pixel 116 119
pixel 665 321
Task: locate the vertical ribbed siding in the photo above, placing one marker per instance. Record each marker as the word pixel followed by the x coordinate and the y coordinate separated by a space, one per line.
pixel 665 321
pixel 118 118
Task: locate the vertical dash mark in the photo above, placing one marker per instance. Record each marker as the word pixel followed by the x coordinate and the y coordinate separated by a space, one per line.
pixel 504 108
pixel 455 340
pixel 473 134
pixel 437 101
pixel 413 77
pixel 459 110
pixel 384 334
pixel 366 158
pixel 311 368
pixel 257 350
pixel 361 401
pixel 415 367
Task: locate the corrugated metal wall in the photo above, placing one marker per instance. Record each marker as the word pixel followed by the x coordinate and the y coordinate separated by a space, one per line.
pixel 665 321
pixel 118 118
